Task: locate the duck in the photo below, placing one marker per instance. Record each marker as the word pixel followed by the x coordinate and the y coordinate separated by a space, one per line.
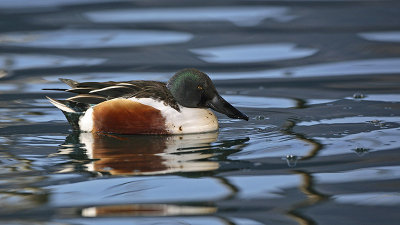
pixel 144 154
pixel 180 106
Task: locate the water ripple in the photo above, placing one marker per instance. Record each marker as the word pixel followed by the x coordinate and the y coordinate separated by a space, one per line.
pixel 33 61
pixel 253 53
pixel 240 16
pixel 355 67
pixel 137 190
pixel 80 38
pixel 385 36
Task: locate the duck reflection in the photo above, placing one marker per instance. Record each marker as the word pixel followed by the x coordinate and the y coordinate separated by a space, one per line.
pixel 147 210
pixel 144 154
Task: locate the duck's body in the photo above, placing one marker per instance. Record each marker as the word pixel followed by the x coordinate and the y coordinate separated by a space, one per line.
pixel 146 116
pixel 146 107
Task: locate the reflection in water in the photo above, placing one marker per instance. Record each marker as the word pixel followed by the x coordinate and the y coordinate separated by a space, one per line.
pixel 259 102
pixel 93 38
pixel 263 186
pixel 372 174
pixel 12 116
pixel 241 16
pixel 375 140
pixel 316 146
pixel 355 67
pixel 353 119
pixel 385 36
pixel 20 199
pixel 381 97
pixel 44 4
pixel 33 61
pixel 308 187
pixel 253 53
pixel 7 87
pixel 370 198
pixel 313 197
pixel 145 154
pixel 115 76
pixel 116 190
pixel 193 220
pixel 146 210
pixel 16 179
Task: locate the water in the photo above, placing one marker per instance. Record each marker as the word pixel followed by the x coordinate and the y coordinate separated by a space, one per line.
pixel 318 79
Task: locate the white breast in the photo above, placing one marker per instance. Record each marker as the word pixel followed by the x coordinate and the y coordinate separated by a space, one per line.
pixel 188 120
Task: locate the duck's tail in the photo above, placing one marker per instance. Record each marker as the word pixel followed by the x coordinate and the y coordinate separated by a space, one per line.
pixel 72 110
pixel 61 104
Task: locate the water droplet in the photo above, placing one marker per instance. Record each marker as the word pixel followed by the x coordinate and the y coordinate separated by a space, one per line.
pixel 376 122
pixel 358 95
pixel 360 151
pixel 291 160
pixel 260 118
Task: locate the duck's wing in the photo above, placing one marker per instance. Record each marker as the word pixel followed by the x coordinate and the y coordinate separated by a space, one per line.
pixel 92 93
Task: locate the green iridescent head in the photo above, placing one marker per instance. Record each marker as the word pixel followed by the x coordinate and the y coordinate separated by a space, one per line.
pixel 194 89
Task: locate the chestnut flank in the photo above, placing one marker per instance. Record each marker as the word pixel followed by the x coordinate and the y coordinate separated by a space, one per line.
pixel 125 116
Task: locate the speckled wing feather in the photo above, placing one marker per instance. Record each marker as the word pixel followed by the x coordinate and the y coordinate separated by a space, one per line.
pixel 96 92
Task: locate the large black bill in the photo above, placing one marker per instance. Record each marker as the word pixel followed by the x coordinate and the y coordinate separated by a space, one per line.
pixel 221 105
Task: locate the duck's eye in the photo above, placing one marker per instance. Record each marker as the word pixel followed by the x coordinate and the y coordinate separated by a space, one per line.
pixel 200 87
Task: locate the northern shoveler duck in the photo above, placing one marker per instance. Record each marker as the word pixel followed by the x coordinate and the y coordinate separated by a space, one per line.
pixel 144 154
pixel 179 106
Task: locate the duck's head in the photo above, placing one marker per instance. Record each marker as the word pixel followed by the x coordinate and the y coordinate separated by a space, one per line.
pixel 194 89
